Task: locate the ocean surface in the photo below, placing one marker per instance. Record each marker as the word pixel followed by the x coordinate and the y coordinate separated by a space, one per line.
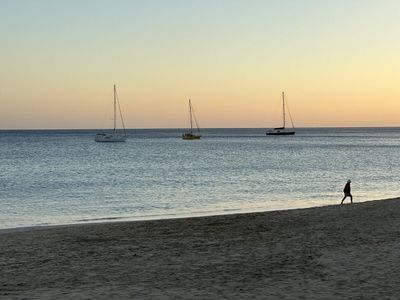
pixel 51 177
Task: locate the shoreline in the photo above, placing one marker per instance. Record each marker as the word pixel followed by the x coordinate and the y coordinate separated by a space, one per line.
pixel 328 252
pixel 112 220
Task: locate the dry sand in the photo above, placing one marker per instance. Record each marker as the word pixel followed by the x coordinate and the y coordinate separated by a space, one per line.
pixel 333 252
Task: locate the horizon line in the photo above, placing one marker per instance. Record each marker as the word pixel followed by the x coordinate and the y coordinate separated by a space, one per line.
pixel 183 128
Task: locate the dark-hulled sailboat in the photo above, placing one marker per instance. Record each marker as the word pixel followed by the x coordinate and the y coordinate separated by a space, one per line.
pixel 283 130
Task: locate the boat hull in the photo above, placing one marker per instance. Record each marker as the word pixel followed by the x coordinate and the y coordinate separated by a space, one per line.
pixel 190 136
pixel 281 133
pixel 110 138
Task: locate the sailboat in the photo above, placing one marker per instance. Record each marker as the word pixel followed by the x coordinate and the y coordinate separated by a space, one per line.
pixel 190 135
pixel 114 136
pixel 282 130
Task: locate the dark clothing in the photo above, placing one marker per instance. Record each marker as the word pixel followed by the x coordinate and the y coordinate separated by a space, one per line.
pixel 347 188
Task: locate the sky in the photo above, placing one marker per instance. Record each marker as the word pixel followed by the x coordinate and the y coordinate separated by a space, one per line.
pixel 338 62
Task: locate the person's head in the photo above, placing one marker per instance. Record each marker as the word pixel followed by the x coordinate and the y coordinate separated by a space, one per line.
pixel 348 181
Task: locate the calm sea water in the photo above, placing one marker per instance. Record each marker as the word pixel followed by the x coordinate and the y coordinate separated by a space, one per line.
pixel 63 177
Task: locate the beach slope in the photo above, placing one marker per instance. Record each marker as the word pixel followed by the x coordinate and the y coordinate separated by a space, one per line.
pixel 334 252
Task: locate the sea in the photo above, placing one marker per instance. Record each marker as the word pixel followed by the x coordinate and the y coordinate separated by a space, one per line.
pixel 54 177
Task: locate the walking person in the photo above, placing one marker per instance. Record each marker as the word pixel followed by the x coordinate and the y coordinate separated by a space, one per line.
pixel 347 191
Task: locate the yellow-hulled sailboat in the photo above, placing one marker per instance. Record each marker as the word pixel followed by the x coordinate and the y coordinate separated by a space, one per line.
pixel 190 135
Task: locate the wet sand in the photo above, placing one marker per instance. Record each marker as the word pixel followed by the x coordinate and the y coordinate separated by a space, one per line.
pixel 334 252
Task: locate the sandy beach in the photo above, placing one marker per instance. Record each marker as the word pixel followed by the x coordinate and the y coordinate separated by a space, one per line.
pixel 333 252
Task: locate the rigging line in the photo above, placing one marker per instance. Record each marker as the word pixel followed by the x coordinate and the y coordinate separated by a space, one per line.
pixel 290 115
pixel 120 113
pixel 189 117
pixel 195 120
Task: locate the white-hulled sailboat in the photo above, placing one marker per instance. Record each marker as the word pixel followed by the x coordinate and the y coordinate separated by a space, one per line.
pixel 190 135
pixel 115 136
pixel 283 130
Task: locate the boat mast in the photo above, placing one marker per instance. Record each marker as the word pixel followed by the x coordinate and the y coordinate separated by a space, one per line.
pixel 191 122
pixel 115 110
pixel 283 103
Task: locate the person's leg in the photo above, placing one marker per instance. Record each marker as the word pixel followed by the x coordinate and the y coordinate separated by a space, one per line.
pixel 351 198
pixel 343 199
